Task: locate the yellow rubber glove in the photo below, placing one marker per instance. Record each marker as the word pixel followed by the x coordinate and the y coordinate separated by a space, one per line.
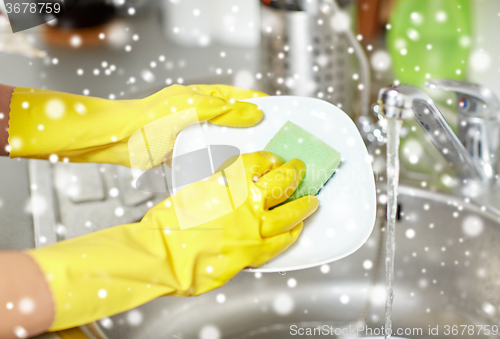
pixel 113 270
pixel 87 129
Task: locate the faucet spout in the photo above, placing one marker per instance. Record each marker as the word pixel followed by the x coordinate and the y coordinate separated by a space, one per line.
pixel 403 102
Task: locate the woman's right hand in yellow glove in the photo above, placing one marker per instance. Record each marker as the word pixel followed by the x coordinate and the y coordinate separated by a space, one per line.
pixel 119 268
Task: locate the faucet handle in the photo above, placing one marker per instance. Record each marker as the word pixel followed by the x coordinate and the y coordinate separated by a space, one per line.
pixel 473 100
pixel 478 136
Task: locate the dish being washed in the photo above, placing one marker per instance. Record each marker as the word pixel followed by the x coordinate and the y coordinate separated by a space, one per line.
pixel 346 215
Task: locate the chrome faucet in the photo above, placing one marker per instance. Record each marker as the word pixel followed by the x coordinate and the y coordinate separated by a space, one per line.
pixel 473 154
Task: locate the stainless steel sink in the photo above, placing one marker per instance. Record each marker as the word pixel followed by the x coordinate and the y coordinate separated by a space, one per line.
pixel 447 274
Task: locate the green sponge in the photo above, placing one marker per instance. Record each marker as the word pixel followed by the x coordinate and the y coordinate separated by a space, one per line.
pixel 321 160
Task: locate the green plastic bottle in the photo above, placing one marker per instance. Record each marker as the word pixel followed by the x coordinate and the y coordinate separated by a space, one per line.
pixel 429 39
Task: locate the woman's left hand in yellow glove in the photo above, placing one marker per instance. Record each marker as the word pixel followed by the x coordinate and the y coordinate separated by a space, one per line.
pixel 113 270
pixel 78 128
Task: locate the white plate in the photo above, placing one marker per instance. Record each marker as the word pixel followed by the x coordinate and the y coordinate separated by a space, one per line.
pixel 346 213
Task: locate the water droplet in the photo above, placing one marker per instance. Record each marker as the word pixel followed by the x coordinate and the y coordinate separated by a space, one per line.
pixel 488 308
pixel 410 233
pixel 107 323
pixel 221 298
pixel 472 225
pixel 283 304
pixel 344 299
pixel 209 332
pixel 134 317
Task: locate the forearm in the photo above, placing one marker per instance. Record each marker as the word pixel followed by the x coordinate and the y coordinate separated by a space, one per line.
pixel 5 97
pixel 105 273
pixel 44 122
pixel 26 306
pixel 83 279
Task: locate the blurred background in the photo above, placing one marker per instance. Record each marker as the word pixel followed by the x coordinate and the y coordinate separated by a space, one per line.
pixel 120 49
pixel 342 52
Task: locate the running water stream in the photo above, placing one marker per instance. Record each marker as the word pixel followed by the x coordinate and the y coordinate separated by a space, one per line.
pixel 393 131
